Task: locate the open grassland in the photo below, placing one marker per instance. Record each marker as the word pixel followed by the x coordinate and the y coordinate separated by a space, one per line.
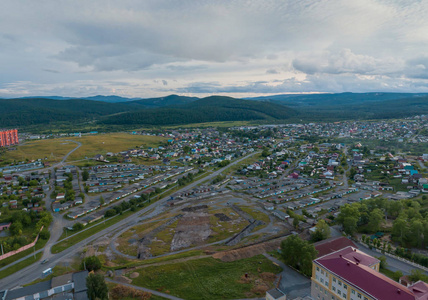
pixel 208 278
pixel 112 142
pixel 55 149
pixel 52 150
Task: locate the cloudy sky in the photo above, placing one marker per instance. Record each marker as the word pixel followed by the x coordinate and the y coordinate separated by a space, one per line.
pixel 237 48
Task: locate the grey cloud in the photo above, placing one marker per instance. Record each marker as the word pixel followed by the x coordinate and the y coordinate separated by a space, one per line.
pixel 272 71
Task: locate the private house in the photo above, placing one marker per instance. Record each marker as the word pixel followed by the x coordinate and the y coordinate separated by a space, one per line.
pixel 4 226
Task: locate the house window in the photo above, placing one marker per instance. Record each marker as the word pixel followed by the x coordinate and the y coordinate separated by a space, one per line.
pixel 353 292
pixel 334 279
pixel 345 286
pixel 318 268
pixel 334 289
pixel 359 295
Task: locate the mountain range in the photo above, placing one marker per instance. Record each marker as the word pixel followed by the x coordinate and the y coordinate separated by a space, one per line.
pixel 174 109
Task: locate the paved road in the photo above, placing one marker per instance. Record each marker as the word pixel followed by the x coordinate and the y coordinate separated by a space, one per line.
pixel 34 271
pixel 393 264
pixel 292 282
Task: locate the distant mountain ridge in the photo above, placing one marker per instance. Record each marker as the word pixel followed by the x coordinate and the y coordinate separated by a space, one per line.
pixel 174 109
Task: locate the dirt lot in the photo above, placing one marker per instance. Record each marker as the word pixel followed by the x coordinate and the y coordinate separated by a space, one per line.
pixel 192 229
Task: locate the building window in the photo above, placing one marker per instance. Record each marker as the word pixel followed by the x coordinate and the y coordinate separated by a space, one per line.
pixel 340 283
pixel 316 286
pixel 345 286
pixel 353 292
pixel 322 280
pixel 334 279
pixel 334 289
pixel 359 295
pixel 322 272
pixel 326 283
pixel 339 293
pixel 318 268
pixel 365 298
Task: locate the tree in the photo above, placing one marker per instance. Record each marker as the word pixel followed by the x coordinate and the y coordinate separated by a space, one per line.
pixel 102 201
pixel 400 229
pixel 78 226
pixel 416 275
pixel 298 253
pixel 348 217
pixel 85 175
pixel 322 231
pixel 16 228
pixel 375 219
pixel 97 288
pixel 91 263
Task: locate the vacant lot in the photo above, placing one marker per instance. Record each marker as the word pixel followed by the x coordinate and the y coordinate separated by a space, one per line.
pixel 112 142
pixel 209 278
pixel 55 149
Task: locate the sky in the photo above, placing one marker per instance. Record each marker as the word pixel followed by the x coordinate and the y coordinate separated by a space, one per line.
pixel 199 48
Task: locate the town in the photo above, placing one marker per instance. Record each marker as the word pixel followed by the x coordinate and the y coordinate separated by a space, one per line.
pixel 237 199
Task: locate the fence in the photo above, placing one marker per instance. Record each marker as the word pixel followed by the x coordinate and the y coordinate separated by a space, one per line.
pixel 23 248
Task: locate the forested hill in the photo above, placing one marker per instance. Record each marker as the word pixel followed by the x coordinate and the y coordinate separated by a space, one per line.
pixel 210 109
pixel 25 112
pixel 171 100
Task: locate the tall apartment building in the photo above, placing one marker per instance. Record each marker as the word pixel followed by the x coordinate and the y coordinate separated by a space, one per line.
pixel 8 137
pixel 353 275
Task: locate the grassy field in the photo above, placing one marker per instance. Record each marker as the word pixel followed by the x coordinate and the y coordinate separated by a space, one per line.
pixel 20 265
pixel 208 278
pixel 112 142
pixel 55 149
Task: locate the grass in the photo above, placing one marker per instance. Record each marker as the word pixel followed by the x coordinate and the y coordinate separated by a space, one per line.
pixel 56 271
pixel 52 149
pixel 124 246
pixel 20 265
pixel 162 244
pixel 257 215
pixel 64 244
pixel 40 244
pixel 136 263
pixel 393 275
pixel 55 149
pixel 112 142
pixel 224 229
pixel 208 278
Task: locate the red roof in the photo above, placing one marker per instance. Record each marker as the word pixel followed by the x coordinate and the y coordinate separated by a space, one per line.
pixel 352 265
pixel 333 244
pixel 420 290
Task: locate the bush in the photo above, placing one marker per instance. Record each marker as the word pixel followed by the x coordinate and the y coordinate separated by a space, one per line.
pixel 92 263
pixel 45 234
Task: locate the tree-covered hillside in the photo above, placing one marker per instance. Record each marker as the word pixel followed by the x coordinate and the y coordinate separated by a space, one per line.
pixel 210 109
pixel 24 112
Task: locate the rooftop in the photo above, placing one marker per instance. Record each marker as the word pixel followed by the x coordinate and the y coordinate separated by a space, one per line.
pixel 353 266
pixel 333 244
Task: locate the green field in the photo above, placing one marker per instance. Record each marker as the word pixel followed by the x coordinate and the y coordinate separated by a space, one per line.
pixel 55 149
pixel 208 278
